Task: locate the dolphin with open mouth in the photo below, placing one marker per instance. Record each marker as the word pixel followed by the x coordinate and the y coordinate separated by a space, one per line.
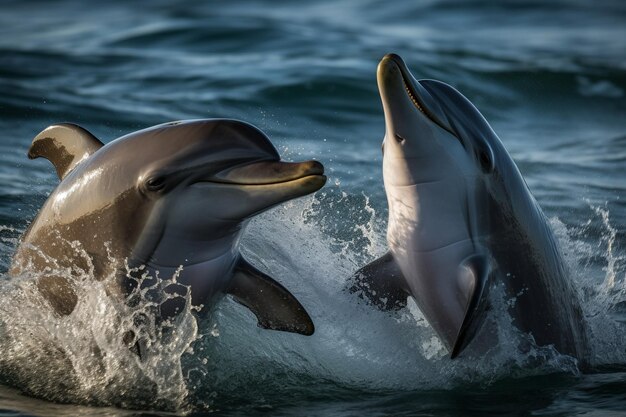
pixel 461 219
pixel 174 195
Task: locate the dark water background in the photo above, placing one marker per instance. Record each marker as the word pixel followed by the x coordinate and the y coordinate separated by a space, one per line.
pixel 549 76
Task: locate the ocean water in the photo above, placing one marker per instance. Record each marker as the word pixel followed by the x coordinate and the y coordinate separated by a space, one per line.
pixel 549 76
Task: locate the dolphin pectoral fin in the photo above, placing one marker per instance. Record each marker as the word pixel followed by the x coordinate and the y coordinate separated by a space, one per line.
pixel 59 292
pixel 380 282
pixel 273 305
pixel 65 145
pixel 473 283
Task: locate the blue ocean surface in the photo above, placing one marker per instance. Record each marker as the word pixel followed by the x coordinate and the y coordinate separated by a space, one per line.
pixel 550 76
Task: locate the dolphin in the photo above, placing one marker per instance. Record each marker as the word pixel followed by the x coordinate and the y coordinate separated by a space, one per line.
pixel 172 199
pixel 462 219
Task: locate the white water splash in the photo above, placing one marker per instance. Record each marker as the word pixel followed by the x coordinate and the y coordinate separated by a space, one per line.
pixel 354 346
pixel 83 357
pixel 602 289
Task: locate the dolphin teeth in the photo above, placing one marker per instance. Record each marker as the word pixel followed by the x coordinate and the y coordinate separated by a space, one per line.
pixel 408 90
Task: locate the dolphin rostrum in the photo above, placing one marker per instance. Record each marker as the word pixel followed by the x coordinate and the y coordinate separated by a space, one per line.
pixel 461 218
pixel 171 199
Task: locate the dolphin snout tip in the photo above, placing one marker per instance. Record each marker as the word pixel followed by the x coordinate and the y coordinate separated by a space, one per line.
pixel 315 182
pixel 313 168
pixel 313 174
pixel 388 67
pixel 392 56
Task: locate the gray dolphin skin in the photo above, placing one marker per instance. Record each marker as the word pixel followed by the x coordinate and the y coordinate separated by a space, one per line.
pixel 176 194
pixel 462 219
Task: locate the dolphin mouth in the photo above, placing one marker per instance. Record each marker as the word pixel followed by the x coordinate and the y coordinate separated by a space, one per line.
pixel 268 173
pixel 416 93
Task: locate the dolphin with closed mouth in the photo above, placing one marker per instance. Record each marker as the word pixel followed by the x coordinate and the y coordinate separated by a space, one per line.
pixel 174 195
pixel 461 219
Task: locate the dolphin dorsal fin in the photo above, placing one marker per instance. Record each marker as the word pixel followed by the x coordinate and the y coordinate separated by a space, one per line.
pixel 65 145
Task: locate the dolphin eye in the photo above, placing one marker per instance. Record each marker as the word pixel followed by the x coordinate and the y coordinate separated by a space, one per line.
pixel 486 163
pixel 155 183
pixel 399 138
